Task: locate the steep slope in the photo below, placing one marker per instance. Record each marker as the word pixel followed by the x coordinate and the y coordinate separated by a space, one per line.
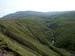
pixel 64 27
pixel 27 37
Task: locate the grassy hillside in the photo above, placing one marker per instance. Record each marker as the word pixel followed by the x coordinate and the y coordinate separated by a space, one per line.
pixel 27 37
pixel 64 27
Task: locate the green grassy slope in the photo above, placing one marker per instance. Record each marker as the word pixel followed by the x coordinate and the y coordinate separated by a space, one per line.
pixel 64 26
pixel 27 37
pixel 65 35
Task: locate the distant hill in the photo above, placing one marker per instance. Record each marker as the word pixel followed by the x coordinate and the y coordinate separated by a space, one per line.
pixel 22 14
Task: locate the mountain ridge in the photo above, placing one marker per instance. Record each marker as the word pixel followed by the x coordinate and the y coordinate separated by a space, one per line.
pixel 29 13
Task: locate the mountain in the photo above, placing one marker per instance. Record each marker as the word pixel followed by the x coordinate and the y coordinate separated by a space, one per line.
pixel 30 33
pixel 27 37
pixel 23 14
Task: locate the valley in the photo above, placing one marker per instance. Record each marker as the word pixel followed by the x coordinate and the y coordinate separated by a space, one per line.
pixel 38 34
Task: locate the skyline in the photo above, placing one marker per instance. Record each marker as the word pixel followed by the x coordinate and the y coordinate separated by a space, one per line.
pixel 11 6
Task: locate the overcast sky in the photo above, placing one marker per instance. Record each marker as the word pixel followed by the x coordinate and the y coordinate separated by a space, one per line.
pixel 10 6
